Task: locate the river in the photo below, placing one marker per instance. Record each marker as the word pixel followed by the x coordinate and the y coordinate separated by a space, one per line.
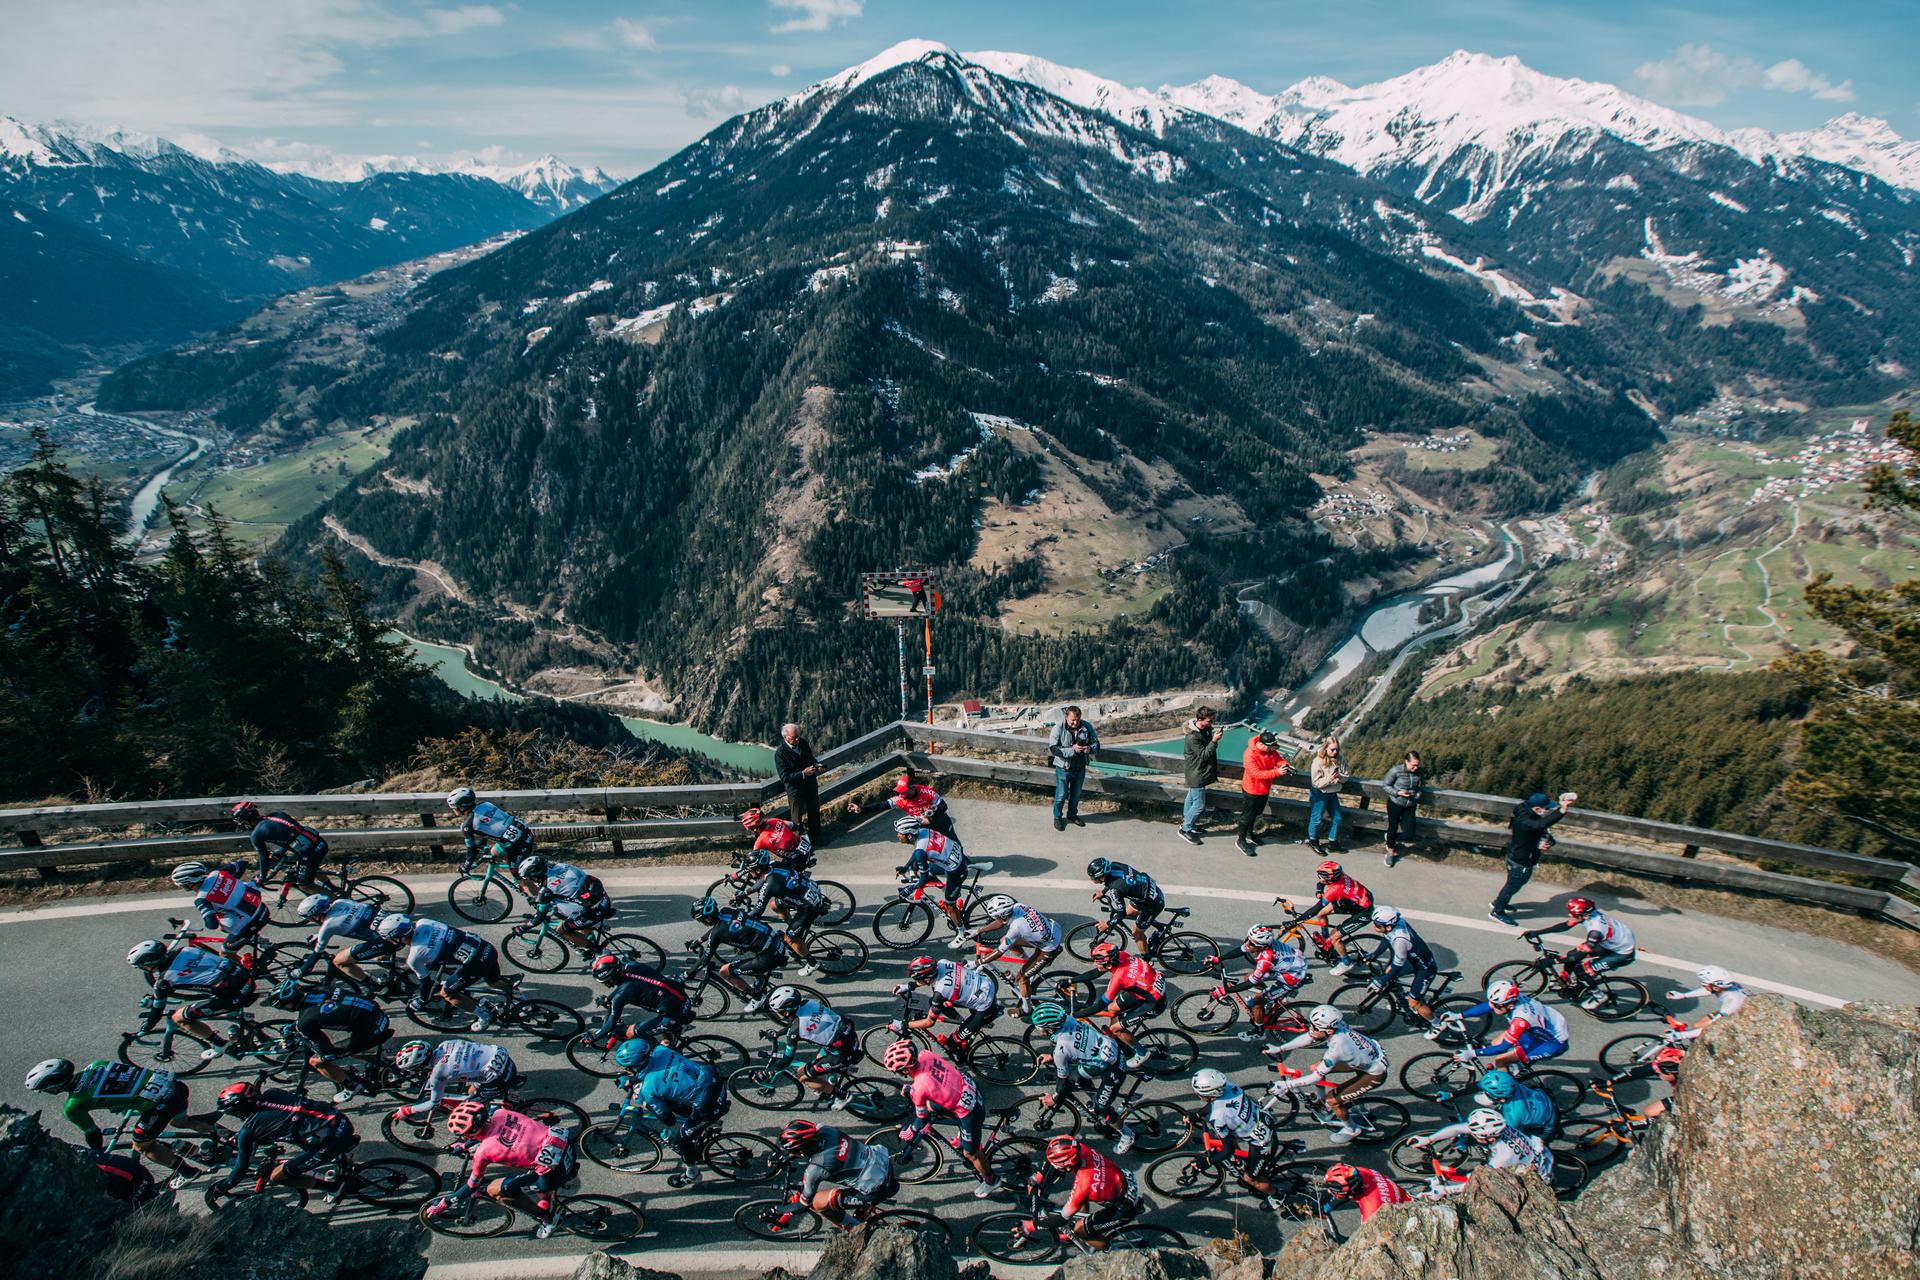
pixel 146 500
pixel 450 664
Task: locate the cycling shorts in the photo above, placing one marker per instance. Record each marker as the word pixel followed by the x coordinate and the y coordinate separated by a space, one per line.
pixel 223 999
pixel 969 1127
pixel 362 1039
pixel 368 952
pixel 1113 1215
pixel 801 915
pixel 304 867
pixel 975 1019
pixel 835 1057
pixel 1599 962
pixel 1537 1046
pixel 478 962
pixel 1419 978
pixel 329 1149
pixel 754 964
pixel 1144 913
pixel 155 1122
pixel 1137 1006
pixel 548 1179
pixel 1357 1086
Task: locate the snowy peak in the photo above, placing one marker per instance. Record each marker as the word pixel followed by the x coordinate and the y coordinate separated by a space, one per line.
pixel 1137 107
pixel 1865 143
pixel 549 182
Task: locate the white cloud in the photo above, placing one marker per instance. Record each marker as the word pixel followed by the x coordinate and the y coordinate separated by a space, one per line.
pixel 634 35
pixel 727 100
pixel 817 15
pixel 779 70
pixel 1698 75
pixel 466 17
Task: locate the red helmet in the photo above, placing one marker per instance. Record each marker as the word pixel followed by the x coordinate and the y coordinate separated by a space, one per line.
pixel 800 1135
pixel 1108 955
pixel 921 968
pixel 246 811
pixel 1579 908
pixel 898 1057
pixel 242 1096
pixel 1063 1152
pixel 1666 1063
pixel 903 786
pixel 465 1118
pixel 1328 870
pixel 1343 1179
pixel 752 819
pixel 605 968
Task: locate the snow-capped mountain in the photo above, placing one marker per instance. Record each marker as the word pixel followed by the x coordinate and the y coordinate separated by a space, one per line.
pixel 1865 143
pixel 548 182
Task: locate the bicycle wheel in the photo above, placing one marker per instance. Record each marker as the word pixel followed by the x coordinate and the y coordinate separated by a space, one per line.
pixel 480 898
pixel 1184 1176
pixel 1636 1049
pixel 1439 1077
pixel 1300 1189
pixel 914 1164
pixel 710 999
pixel 533 948
pixel 158 1050
pixel 1015 1160
pixel 777 1220
pixel 1477 1029
pixel 1200 1013
pixel 1566 1089
pixel 1570 1173
pixel 1026 1118
pixel 547 1019
pixel 418 1133
pixel 840 902
pixel 1595 1143
pixel 440 1016
pixel 1381 1120
pixel 875 1039
pixel 1367 1011
pixel 601 1218
pixel 590 1054
pixel 1186 953
pixel 742 1157
pixel 622 1149
pixel 1001 1060
pixel 1170 1052
pixel 1146 1235
pixel 384 892
pixel 1416 1162
pixel 556 1113
pixel 936 1231
pixel 1158 1127
pixel 876 1101
pixel 278 1192
pixel 1528 975
pixel 837 953
pixel 1005 1237
pixel 766 1088
pixel 723 1055
pixel 903 924
pixel 634 946
pixel 1620 998
pixel 393 1184
pixel 471 1219
pixel 1082 938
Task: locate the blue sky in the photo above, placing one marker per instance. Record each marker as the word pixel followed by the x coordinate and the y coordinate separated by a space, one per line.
pixel 626 84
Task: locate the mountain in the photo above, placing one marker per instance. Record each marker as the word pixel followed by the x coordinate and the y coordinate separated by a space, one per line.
pixel 549 182
pixel 1865 143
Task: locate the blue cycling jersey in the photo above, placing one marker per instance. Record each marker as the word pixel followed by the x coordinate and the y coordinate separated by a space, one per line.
pixel 736 929
pixel 667 1081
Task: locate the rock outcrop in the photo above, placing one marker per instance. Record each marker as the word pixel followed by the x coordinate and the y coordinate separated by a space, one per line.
pixel 1136 1264
pixel 603 1266
pixel 884 1253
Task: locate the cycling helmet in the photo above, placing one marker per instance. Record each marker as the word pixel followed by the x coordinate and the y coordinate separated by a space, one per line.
pixel 1063 1152
pixel 188 875
pixel 752 819
pixel 783 1001
pixel 286 994
pixel 1108 955
pixel 1385 917
pixel 1666 1063
pixel 51 1076
pixel 1098 869
pixel 921 968
pixel 246 813
pixel 240 1097
pixel 760 858
pixel 1342 1180
pixel 906 825
pixel 999 906
pixel 1579 908
pixel 633 1051
pixel 1498 1085
pixel 800 1136
pixel 1328 870
pixel 412 1055
pixel 899 1057
pixel 1713 975
pixel 1209 1083
pixel 706 911
pixel 1485 1124
pixel 461 799
pixel 1324 1017
pixel 1502 992
pixel 146 955
pixel 1047 1015
pixel 313 906
pixel 904 785
pixel 1261 936
pixel 465 1118
pixel 394 926
pixel 605 969
pixel 532 867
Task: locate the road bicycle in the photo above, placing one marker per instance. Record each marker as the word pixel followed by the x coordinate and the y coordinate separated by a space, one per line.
pixel 738 888
pixel 1637 1048
pixel 1619 997
pixel 1014 1142
pixel 594 1054
pixel 1379 1120
pixel 537 945
pixel 1216 1010
pixel 605 1219
pixel 1174 949
pixel 785 1218
pixel 1444 1077
pixel 541 1019
pixel 1038 1234
pixel 630 1143
pixel 483 892
pixel 1158 1126
pixel 1450 1160
pixel 907 922
pixel 383 893
pixel 775 1085
pixel 1297 1188
pixel 1373 1012
pixel 1364 948
pixel 1600 1142
pixel 420 1132
pixel 711 996
pixel 161 1045
pixel 386 1183
pixel 998 1060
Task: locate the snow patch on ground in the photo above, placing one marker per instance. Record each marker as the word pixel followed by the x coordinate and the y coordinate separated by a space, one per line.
pixel 376 224
pixel 712 302
pixel 899 330
pixel 633 325
pixel 1059 288
pixel 677 182
pixel 1727 201
pixel 1755 279
pixel 533 339
pixel 1622 182
pixel 1503 285
pixel 938 471
pixel 826 277
pixel 598 286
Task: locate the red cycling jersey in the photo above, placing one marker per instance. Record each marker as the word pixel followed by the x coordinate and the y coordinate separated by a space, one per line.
pixel 224 891
pixel 1348 892
pixel 777 835
pixel 1096 1180
pixel 917 801
pixel 1136 974
pixel 1375 1191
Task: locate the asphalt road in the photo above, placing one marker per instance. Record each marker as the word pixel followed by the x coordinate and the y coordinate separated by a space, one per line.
pixel 67 991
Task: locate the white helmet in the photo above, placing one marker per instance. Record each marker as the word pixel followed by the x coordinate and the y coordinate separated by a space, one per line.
pixel 461 799
pixel 1486 1124
pixel 1714 976
pixel 906 825
pixel 1502 992
pixel 313 906
pixel 1324 1017
pixel 783 1000
pixel 394 926
pixel 188 875
pixel 1209 1083
pixel 532 867
pixel 1261 935
pixel 145 955
pixel 50 1076
pixel 999 906
pixel 413 1055
pixel 1385 917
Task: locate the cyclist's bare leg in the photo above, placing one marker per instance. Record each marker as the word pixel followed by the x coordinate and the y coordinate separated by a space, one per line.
pixel 952 912
pixel 1420 1007
pixel 195 1027
pixel 163 1154
pixel 977 1161
pixel 288 1178
pixel 343 962
pixel 1505 1059
pixel 332 1071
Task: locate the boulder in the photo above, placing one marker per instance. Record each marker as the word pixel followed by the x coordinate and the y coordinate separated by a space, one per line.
pixel 883 1253
pixel 55 1204
pixel 1233 1258
pixel 602 1266
pixel 1136 1264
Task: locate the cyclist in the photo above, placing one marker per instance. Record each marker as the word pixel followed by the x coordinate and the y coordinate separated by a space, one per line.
pixel 1336 890
pixel 225 898
pixel 637 983
pixel 125 1178
pixel 474 1068
pixel 835 1045
pixel 156 1099
pixel 1508 1148
pixel 482 821
pixel 320 1015
pixel 1032 937
pixel 1129 890
pixel 968 996
pixel 935 1084
pixel 797 900
pixel 940 857
pixel 1717 982
pixel 275 1116
pixel 496 1135
pixel 579 899
pixel 1409 955
pixel 832 1156
pixel 1608 945
pixel 215 985
pixel 1104 1197
pixel 1526 1108
pixel 1344 1050
pixel 779 839
pixel 432 947
pixel 921 803
pixel 761 948
pixel 277 836
pixel 1136 991
pixel 1367 1189
pixel 350 921
pixel 1238 1133
pixel 1081 1053
pixel 684 1096
pixel 1278 970
pixel 1535 1031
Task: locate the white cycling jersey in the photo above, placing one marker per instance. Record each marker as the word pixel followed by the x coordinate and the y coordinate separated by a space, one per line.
pixel 1083 1050
pixel 463 1062
pixel 1732 997
pixel 346 919
pixel 1608 934
pixel 195 967
pixel 494 823
pixel 1028 927
pixel 1235 1115
pixel 817 1024
pixel 972 989
pixel 1351 1050
pixel 1529 1012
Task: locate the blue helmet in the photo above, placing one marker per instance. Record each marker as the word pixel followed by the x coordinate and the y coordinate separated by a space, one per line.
pixel 1498 1085
pixel 633 1052
pixel 706 910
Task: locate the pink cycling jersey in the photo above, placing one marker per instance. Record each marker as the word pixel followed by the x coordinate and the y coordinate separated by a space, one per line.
pixel 938 1083
pixel 517 1141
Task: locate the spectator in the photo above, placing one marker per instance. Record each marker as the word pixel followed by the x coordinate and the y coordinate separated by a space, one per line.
pixel 800 774
pixel 1530 825
pixel 1070 748
pixel 1328 773
pixel 1261 764
pixel 1402 784
pixel 1203 767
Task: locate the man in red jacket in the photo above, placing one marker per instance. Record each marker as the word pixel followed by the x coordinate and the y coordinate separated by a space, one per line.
pixel 1259 767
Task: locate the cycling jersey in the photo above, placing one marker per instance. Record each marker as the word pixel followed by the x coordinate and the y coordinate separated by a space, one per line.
pixel 1410 952
pixel 783 840
pixel 1533 1028
pixel 439 946
pixel 1531 1111
pixel 1278 966
pixel 319 1012
pixel 1097 1180
pixel 1027 927
pixel 489 821
pixel 193 968
pixel 668 1084
pixel 865 1166
pixel 1733 998
pixel 1235 1117
pixel 918 801
pixel 790 887
pixel 518 1142
pixel 938 1084
pixel 814 1023
pixel 120 1089
pixel 936 852
pixel 1083 1050
pixel 345 918
pixel 641 984
pixel 227 901
pixel 1345 1050
pixel 286 1117
pixel 1346 893
pixel 1376 1190
pixel 1604 933
pixel 466 1062
pixel 1136 974
pixel 278 830
pixel 1128 884
pixel 742 932
pixel 963 987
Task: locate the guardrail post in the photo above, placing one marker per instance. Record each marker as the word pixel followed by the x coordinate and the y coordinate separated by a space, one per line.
pixel 613 816
pixel 427 820
pixel 1690 851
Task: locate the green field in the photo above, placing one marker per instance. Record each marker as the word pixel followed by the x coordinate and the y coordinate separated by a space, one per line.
pixel 263 499
pixel 1478 453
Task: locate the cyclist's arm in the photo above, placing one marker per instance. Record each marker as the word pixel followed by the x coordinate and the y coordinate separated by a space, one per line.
pixel 811 1177
pixel 1562 927
pixel 1301 1041
pixel 436 1085
pixel 243 1142
pixel 1442 1136
pixel 1077 1197
pixel 80 1113
pixel 616 1002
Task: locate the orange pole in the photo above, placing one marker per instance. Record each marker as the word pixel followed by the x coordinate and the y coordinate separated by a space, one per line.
pixel 927 622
